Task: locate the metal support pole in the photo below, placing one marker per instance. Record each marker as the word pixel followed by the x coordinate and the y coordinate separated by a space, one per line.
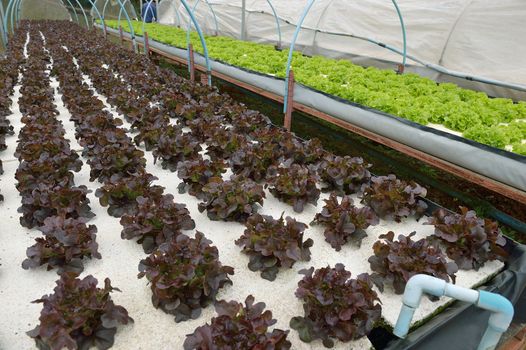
pixel 401 69
pixel 278 46
pixel 146 44
pixel 291 50
pixel 191 65
pixel 287 122
pixel 243 20
pixel 201 38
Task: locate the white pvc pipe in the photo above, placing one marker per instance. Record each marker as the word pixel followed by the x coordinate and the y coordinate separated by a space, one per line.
pixel 501 308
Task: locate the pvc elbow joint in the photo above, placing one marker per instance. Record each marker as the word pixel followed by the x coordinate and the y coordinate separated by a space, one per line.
pixel 414 289
pixel 420 284
pixel 501 308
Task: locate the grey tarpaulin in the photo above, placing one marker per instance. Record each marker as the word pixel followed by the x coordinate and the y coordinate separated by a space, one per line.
pixel 503 166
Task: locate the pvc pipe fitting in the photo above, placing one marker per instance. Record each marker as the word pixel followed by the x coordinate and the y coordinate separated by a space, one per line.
pixel 501 308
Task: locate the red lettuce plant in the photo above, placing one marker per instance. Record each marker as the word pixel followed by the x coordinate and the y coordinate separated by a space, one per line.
pixel 253 160
pixel 233 200
pixel 335 305
pixel 114 159
pixel 395 262
pixel 345 175
pixel 196 174
pixel 185 275
pixel 119 194
pixel 65 243
pixel 78 315
pixel 157 220
pixel 151 133
pixel 392 198
pixel 470 241
pixel 308 152
pixel 205 126
pixel 33 150
pixel 44 201
pixel 172 150
pixel 344 222
pixel 239 326
pixel 30 174
pixel 294 184
pixel 272 244
pixel 223 142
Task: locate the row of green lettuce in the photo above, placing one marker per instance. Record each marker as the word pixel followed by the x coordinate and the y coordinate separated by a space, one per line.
pixel 497 122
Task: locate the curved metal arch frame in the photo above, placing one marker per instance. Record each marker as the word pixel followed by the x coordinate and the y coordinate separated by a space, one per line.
pixel 201 38
pixel 177 14
pixel 83 13
pixel 74 12
pixel 4 34
pixel 148 9
pixel 278 26
pixel 15 14
pixel 10 10
pixel 132 31
pixel 295 38
pixel 98 13
pixel 19 3
pixel 213 14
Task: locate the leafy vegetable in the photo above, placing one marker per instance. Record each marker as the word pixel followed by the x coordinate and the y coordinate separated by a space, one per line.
pixel 172 150
pixel 119 194
pixel 233 200
pixel 335 305
pixel 345 175
pixel 196 174
pixel 185 275
pixel 66 243
pixel 116 159
pixel 272 244
pixel 254 160
pixel 470 241
pixel 223 143
pixel 395 262
pixel 156 220
pixel 344 222
pixel 294 184
pixel 44 201
pixel 392 198
pixel 78 315
pixel 239 326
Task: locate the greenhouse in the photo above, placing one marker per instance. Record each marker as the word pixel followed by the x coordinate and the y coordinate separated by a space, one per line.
pixel 249 174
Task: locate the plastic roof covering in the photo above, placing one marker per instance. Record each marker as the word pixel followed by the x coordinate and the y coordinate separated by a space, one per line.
pixel 44 9
pixel 478 37
pixel 113 8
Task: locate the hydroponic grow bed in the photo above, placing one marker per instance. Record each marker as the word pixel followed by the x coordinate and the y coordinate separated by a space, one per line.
pixel 433 139
pixel 153 327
